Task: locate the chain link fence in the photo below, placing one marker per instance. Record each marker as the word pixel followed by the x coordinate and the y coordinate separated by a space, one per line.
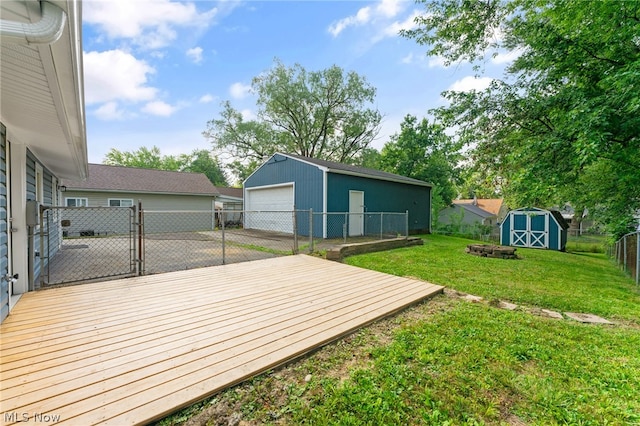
pixel 88 243
pixel 84 243
pixel 626 252
pixel 352 227
pixel 178 240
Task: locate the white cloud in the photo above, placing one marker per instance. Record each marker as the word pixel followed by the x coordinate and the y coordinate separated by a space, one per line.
pixel 389 8
pixel 361 17
pixel 248 115
pixel 116 75
pixel 379 11
pixel 506 57
pixel 148 23
pixel 409 59
pixel 159 108
pixel 195 54
pixel 110 111
pixel 208 98
pixel 239 90
pixel 469 84
pixel 437 62
pixel 394 28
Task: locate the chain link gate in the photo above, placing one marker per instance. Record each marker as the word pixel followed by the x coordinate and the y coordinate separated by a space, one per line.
pixel 85 243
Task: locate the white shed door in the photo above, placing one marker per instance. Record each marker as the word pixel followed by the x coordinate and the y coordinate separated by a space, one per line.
pixel 270 209
pixel 356 213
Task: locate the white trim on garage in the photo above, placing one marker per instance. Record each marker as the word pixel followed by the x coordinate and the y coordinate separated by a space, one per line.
pixel 270 207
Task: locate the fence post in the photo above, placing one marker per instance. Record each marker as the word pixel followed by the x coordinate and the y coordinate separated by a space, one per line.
pixel 223 241
pixel 295 231
pixel 406 224
pixel 310 230
pixel 344 227
pixel 381 222
pixel 624 245
pixel 140 239
pixel 638 258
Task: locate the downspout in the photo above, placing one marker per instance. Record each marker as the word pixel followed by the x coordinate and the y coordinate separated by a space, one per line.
pixel 46 31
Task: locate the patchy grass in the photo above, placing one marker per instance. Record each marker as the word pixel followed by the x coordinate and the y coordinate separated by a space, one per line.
pixel 588 243
pixel 451 362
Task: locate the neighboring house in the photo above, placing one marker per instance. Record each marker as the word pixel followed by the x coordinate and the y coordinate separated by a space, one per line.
pixel 230 201
pixel 286 182
pixel 576 226
pixel 185 195
pixel 468 213
pixel 534 228
pixel 42 129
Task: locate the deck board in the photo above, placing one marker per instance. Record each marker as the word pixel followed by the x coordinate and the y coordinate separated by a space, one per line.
pixel 134 350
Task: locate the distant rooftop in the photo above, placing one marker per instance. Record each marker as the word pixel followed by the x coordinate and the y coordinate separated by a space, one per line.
pixel 131 179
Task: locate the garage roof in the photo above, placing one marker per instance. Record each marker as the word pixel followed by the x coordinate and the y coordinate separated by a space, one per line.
pixel 348 169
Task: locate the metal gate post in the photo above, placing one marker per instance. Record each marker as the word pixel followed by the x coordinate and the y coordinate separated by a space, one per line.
pixel 141 253
pixel 224 260
pixel 310 230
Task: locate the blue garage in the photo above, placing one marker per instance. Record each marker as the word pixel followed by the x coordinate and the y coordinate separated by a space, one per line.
pixel 341 196
pixel 534 228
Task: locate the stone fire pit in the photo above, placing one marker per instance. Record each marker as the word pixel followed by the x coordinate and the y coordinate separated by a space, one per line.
pixel 488 250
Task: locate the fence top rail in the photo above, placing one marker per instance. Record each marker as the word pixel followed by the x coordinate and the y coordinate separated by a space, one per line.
pixel 88 207
pixel 629 234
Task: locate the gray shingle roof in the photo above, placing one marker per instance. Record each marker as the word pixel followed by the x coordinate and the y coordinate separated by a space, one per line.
pixel 476 210
pixel 230 192
pixel 358 171
pixel 131 179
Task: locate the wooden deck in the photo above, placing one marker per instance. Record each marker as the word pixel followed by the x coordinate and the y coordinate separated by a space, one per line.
pixel 134 350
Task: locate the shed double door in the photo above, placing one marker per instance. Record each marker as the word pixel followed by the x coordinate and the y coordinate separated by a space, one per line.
pixel 530 229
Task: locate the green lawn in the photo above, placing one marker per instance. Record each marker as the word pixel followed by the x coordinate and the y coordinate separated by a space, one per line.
pixel 452 362
pixel 577 282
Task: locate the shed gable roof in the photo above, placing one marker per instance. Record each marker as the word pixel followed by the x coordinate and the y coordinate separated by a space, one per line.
pixel 130 179
pixel 348 169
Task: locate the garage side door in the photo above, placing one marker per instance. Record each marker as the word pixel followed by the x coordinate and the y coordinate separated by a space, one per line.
pixel 270 209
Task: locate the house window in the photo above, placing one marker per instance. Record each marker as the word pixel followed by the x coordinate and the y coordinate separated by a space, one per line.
pixel 117 202
pixel 76 202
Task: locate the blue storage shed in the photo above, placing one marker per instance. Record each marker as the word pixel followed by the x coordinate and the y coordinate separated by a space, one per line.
pixel 334 191
pixel 534 228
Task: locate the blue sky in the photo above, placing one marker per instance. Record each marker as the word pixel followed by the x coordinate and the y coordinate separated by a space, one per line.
pixel 156 71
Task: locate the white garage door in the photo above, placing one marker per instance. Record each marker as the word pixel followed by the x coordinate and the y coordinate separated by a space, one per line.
pixel 270 209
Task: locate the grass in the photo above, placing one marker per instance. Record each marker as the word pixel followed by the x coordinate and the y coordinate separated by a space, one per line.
pixel 582 282
pixel 451 362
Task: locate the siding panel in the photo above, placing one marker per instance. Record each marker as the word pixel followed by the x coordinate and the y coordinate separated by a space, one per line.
pixel 4 247
pixel 382 196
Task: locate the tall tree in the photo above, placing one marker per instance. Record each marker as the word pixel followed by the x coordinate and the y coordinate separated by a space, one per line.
pixel 322 114
pixel 563 125
pixel 423 151
pixel 199 161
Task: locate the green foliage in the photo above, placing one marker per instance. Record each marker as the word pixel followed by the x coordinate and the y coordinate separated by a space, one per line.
pixel 423 151
pixel 562 126
pixel 321 114
pixel 199 161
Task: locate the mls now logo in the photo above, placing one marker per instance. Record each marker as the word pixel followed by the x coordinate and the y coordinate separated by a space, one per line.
pixel 17 417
